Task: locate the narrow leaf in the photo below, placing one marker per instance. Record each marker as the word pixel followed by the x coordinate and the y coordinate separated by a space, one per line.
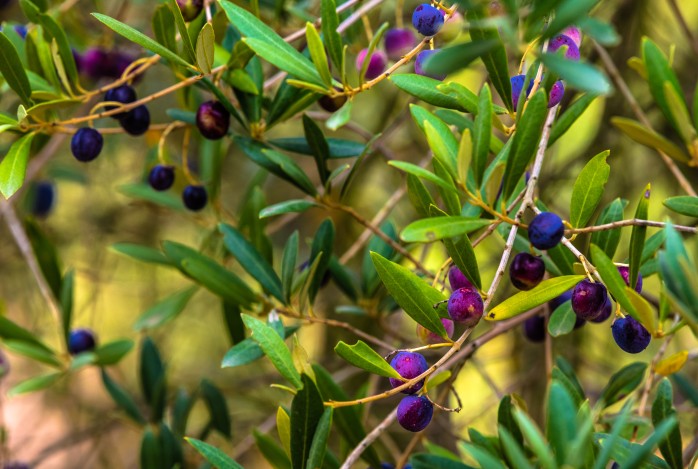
pixel 527 300
pixel 588 189
pixel 274 348
pixel 363 356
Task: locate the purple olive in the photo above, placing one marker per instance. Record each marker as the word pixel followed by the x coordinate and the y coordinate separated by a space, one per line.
pixel 588 299
pixel 409 365
pixel 466 306
pixel 414 413
pixel 630 335
pixel 526 271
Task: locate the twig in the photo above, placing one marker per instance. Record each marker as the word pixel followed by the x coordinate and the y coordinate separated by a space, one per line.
pixel 639 113
pixel 684 26
pixel 368 439
pixel 630 222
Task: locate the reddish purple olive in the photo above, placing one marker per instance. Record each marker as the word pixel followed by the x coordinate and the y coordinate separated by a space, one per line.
pixel 625 273
pixel 526 271
pixel 573 33
pixel 458 280
pixel 212 120
pixel 466 306
pixel 630 335
pixel 428 337
pixel 561 40
pixel 409 365
pixel 376 63
pixel 414 413
pixel 588 299
pixel 398 42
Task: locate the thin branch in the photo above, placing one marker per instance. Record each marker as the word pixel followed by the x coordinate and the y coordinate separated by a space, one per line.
pixel 368 440
pixel 640 114
pixel 630 222
pixel 684 26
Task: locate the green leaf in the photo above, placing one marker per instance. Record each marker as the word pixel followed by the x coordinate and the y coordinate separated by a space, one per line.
pixel 580 75
pixel 562 320
pixel 143 191
pixel 288 206
pixel 649 138
pixel 422 173
pixel 62 50
pixel 527 300
pixel 187 47
pixel 11 331
pixel 426 89
pixel 412 293
pixel 13 167
pixel 321 250
pixel 603 33
pixel 662 409
pixel 274 348
pixel 457 57
pixel 339 148
pixel 363 356
pixel 112 352
pixel 272 451
pixel 34 384
pixel 484 458
pixel 333 40
pixel 568 12
pixel 679 111
pixel 205 44
pixel 122 398
pixel 463 255
pixel 637 456
pixel 217 408
pixel 164 27
pixel 141 253
pixel 444 146
pixel 535 439
pixel 637 237
pixel 570 116
pixel 152 375
pixel 482 133
pixel 496 58
pixel 428 230
pixel 588 189
pixel 318 145
pixel 608 240
pixel 306 413
pixel 141 39
pixel 679 272
pixel 514 453
pixel 319 444
pixel 560 420
pixel 251 260
pixel 505 419
pixel 683 204
pixel 430 461
pixel 622 383
pixel 213 455
pixel 34 351
pixel 288 265
pixel 12 70
pixel 659 72
pixel 317 54
pixel 525 141
pixel 165 310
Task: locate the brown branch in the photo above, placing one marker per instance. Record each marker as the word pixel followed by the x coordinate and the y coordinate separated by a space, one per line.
pixel 630 222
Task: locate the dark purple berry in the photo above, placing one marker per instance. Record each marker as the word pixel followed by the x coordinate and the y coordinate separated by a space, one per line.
pixel 161 177
pixel 625 273
pixel 534 328
pixel 409 365
pixel 332 104
pixel 517 85
pixel 630 335
pixel 212 120
pixel 556 94
pixel 466 306
pixel 559 300
pixel 428 337
pixel 376 63
pixel 190 8
pixel 136 121
pixel 606 311
pixel 86 144
pixel 94 62
pixel 561 40
pixel 546 230
pixel 398 42
pixel 419 65
pixel 194 197
pixel 123 94
pixel 458 280
pixel 588 299
pixel 414 413
pixel 81 340
pixel 119 62
pixel 526 271
pixel 42 197
pixel 427 20
pixel 21 30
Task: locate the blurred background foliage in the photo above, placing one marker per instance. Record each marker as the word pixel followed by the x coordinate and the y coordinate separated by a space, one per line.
pixel 76 424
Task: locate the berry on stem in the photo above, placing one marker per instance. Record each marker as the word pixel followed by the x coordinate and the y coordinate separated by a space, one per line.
pixel 136 121
pixel 556 94
pixel 81 340
pixel 427 20
pixel 398 42
pixel 86 144
pixel 409 365
pixel 123 94
pixel 194 197
pixel 534 328
pixel 190 8
pixel 458 280
pixel 212 120
pixel 332 104
pixel 606 311
pixel 630 335
pixel 419 64
pixel 526 271
pixel 546 230
pixel 573 33
pixel 561 40
pixel 625 273
pixel 466 306
pixel 517 85
pixel 589 299
pixel 161 177
pixel 376 63
pixel 428 337
pixel 414 413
